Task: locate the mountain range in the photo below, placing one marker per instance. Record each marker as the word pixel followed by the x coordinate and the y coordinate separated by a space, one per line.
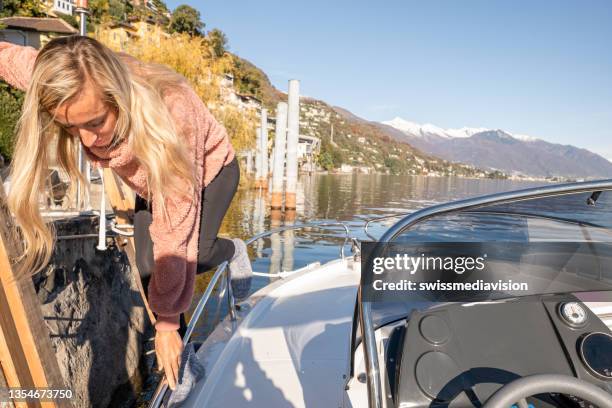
pixel 483 148
pixel 500 150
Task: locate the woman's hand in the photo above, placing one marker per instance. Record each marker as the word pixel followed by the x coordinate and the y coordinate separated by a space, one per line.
pixel 168 348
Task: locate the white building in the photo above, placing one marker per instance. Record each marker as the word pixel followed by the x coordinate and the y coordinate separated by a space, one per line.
pixel 63 6
pixel 308 146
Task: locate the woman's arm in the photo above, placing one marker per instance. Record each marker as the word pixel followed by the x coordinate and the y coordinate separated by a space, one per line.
pixel 16 64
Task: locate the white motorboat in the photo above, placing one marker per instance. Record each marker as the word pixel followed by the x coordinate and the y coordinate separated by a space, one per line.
pixel 311 339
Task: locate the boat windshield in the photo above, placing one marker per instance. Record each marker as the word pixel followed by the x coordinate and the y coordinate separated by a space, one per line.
pixel 560 218
pixel 556 221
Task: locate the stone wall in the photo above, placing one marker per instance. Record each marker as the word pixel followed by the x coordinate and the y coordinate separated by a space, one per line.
pixel 96 318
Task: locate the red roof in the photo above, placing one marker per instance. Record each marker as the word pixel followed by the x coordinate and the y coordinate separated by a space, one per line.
pixel 42 24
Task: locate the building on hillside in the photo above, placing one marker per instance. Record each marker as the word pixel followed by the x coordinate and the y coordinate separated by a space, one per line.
pixel 33 31
pixel 244 101
pixel 308 146
pixel 227 81
pixel 149 29
pixel 148 4
pixel 229 95
pixel 346 168
pixel 54 7
pixel 62 6
pixel 121 34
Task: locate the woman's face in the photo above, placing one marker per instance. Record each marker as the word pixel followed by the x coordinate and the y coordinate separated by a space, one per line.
pixel 88 117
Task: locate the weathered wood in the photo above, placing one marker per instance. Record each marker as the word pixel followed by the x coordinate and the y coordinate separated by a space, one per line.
pixel 3 382
pixel 26 353
pixel 8 372
pixel 122 200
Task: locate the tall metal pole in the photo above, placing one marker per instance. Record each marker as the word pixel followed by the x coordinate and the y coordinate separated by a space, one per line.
pixel 293 132
pixel 280 141
pixel 258 155
pixel 84 165
pixel 264 148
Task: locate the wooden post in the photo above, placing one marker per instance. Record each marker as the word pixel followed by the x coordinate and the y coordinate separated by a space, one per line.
pixel 122 200
pixel 27 358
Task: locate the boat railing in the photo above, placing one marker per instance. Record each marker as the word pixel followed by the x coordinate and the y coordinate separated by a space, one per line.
pixel 379 219
pixel 365 308
pixel 224 270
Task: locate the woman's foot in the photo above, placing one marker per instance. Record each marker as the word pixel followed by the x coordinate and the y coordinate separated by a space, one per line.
pixel 241 271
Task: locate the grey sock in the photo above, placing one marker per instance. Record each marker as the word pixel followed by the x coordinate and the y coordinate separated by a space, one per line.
pixel 241 270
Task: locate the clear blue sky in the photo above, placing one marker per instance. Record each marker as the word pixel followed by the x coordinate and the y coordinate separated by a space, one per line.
pixel 541 68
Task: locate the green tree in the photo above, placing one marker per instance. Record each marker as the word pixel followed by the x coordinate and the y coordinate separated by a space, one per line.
pixel 119 9
pixel 247 78
pixel 141 12
pixel 162 8
pixel 10 109
pixel 218 42
pixel 337 157
pixel 393 165
pixel 26 8
pixel 186 19
pixel 329 157
pixel 70 19
pixel 325 161
pixel 98 9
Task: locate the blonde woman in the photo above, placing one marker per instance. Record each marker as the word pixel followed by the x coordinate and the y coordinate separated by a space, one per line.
pixel 145 123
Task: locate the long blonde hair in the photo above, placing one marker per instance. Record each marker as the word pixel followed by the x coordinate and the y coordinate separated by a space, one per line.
pixel 135 90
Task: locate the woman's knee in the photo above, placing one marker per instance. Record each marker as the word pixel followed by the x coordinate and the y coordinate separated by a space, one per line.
pixel 214 252
pixel 206 259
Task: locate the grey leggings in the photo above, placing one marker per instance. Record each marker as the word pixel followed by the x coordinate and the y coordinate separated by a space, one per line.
pixel 212 251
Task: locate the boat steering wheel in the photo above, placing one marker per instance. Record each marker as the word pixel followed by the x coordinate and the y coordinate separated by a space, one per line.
pixel 518 390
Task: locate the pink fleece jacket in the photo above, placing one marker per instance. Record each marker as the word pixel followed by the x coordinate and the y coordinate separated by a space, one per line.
pixel 175 244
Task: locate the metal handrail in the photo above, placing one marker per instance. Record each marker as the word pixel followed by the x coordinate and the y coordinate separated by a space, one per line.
pixel 162 387
pixel 367 326
pixel 347 235
pixel 378 219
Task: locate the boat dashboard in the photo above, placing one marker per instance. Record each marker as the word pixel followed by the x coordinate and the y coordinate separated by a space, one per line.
pixel 458 355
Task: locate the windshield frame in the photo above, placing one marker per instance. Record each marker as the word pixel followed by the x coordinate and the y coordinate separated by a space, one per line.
pixel 364 312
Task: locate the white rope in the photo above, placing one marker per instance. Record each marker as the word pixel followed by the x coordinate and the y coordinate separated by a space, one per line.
pixel 282 274
pixel 102 224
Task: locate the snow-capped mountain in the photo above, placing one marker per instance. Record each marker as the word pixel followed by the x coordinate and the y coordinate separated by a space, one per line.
pixel 428 129
pixel 497 149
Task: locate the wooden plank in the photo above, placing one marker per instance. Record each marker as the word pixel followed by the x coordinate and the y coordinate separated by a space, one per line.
pixel 8 373
pixel 26 352
pixel 122 200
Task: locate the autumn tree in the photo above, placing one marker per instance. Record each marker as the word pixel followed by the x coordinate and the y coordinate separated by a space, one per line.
pixel 26 8
pixel 186 19
pixel 218 42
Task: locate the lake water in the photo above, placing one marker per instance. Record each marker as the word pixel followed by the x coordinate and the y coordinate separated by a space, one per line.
pixel 352 199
